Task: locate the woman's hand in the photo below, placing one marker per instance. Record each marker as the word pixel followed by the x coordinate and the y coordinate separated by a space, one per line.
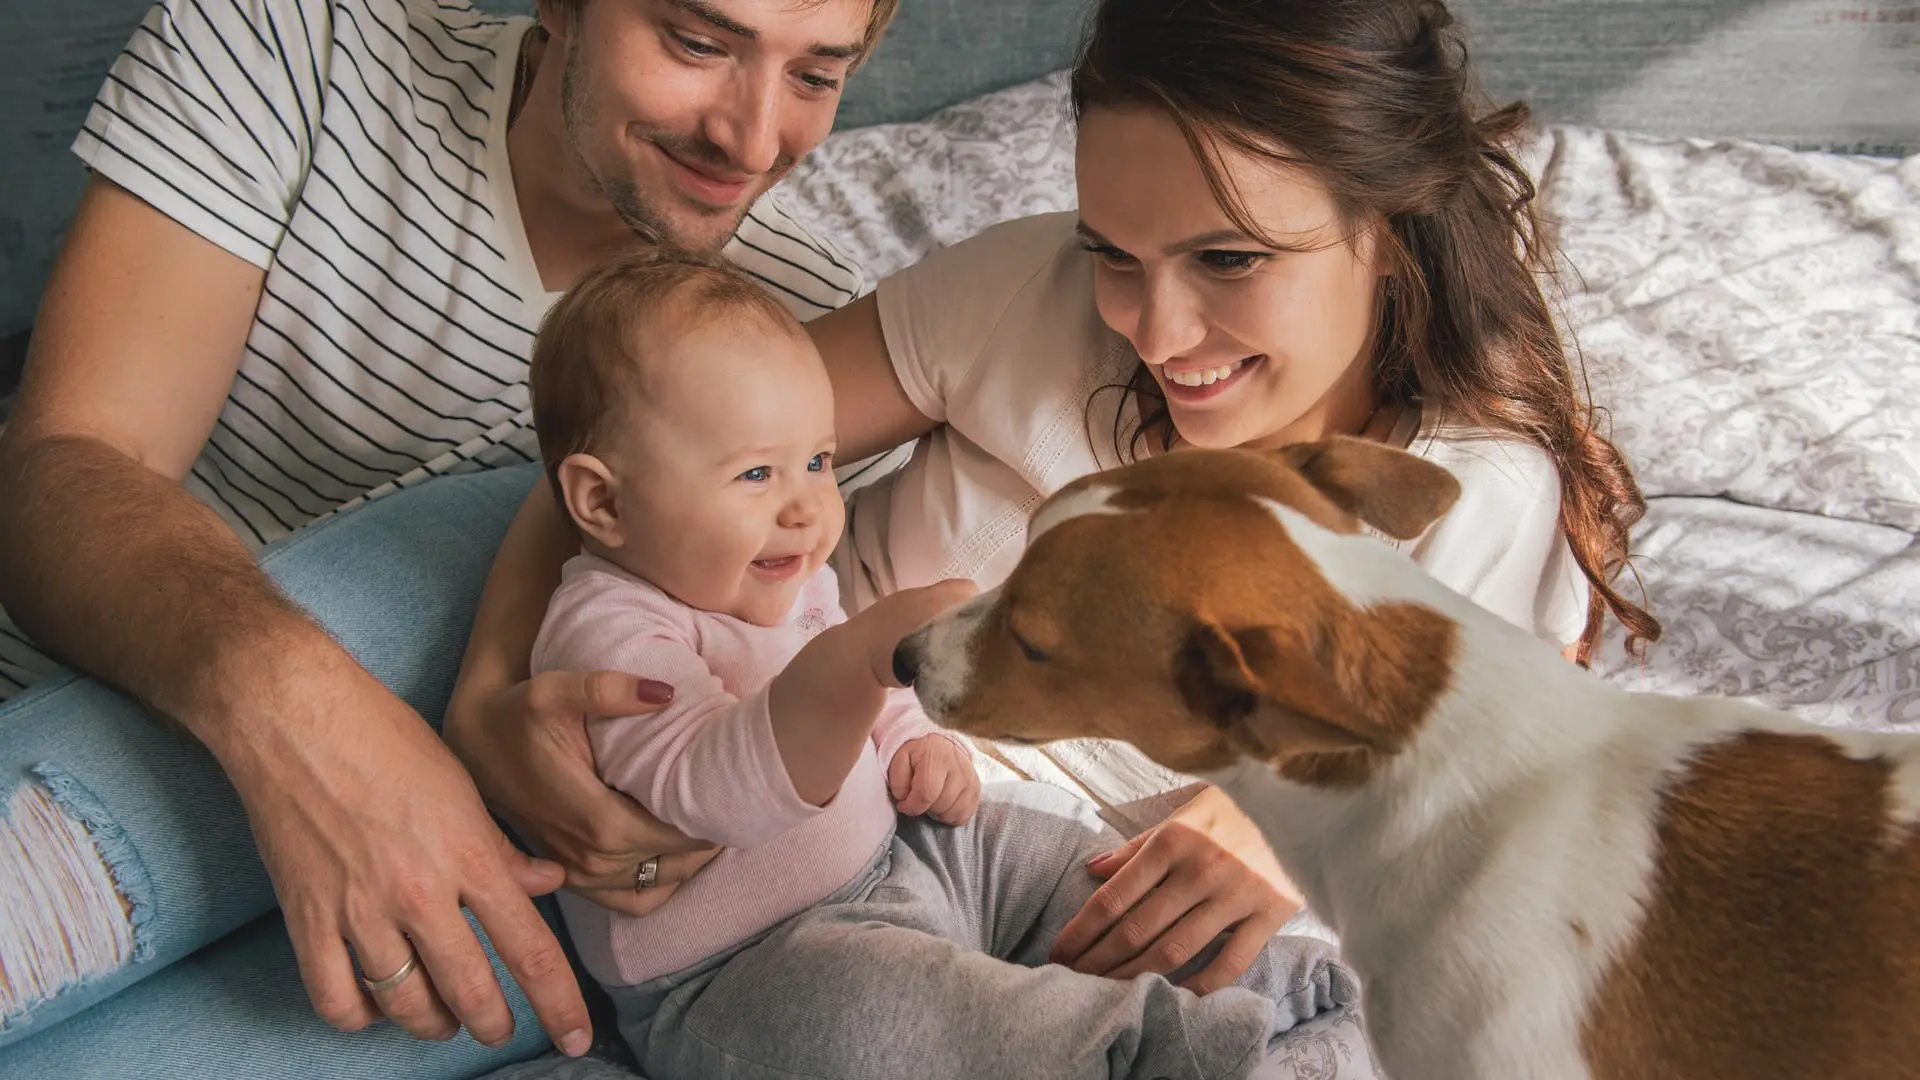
pixel 527 750
pixel 1174 888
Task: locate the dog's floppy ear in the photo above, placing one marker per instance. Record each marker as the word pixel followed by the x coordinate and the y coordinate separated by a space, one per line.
pixel 1270 696
pixel 1394 491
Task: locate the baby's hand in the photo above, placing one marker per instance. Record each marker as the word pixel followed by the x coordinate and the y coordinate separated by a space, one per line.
pixel 932 775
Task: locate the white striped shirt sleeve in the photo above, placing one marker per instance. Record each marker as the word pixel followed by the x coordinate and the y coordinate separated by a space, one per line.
pixel 210 115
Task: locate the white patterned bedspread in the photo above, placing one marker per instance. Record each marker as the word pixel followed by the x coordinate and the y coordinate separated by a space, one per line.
pixel 1750 316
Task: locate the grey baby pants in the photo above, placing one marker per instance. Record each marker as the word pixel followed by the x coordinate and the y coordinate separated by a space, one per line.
pixel 933 964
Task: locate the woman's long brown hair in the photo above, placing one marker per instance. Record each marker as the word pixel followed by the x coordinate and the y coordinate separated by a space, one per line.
pixel 1375 99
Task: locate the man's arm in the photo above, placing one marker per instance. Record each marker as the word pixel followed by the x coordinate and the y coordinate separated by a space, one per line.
pixel 139 337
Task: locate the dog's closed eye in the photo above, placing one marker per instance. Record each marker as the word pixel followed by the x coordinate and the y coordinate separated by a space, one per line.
pixel 1027 648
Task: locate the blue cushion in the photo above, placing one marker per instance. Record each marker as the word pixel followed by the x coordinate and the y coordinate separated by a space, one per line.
pixel 52 59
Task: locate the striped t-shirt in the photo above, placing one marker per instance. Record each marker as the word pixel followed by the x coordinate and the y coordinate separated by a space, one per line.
pixel 356 151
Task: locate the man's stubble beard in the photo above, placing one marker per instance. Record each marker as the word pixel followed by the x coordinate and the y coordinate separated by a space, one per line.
pixel 578 108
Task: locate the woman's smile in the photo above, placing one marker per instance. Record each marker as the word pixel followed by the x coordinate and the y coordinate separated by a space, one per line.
pixel 1190 385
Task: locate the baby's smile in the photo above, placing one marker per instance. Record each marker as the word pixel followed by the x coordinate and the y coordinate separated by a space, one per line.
pixel 783 568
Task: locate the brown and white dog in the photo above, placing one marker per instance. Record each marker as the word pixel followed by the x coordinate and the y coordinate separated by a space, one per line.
pixel 1535 875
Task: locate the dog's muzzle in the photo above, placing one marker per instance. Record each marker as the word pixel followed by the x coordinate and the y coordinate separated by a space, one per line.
pixel 936 660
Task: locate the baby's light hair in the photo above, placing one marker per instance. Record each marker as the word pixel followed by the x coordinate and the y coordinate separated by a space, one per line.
pixel 590 353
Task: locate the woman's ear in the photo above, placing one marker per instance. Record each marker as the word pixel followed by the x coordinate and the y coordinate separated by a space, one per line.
pixel 590 496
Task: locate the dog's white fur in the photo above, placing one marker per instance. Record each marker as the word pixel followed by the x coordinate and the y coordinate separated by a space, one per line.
pixel 1525 805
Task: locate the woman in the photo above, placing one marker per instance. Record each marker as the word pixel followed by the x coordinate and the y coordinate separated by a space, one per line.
pixel 1293 222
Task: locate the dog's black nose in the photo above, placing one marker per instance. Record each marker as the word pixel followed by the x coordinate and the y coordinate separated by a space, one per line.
pixel 904 669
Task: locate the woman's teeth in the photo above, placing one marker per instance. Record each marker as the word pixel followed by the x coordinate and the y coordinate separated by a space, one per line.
pixel 1204 378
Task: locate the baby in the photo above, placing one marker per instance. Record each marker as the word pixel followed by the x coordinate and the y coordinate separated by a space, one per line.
pixel 686 423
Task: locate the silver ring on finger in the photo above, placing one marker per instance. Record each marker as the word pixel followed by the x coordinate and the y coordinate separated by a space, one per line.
pixel 395 979
pixel 648 875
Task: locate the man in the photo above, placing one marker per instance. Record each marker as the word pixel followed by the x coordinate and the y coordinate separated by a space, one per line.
pixel 306 271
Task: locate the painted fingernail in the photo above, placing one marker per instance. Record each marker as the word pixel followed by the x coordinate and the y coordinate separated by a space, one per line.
pixel 655 692
pixel 575 1042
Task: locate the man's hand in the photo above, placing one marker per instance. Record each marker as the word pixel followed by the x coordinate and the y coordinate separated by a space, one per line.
pixel 375 839
pixel 931 775
pixel 371 832
pixel 526 747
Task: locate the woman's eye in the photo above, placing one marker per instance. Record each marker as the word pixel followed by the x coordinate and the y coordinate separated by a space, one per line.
pixel 819 462
pixel 759 474
pixel 1232 261
pixel 1108 254
pixel 696 47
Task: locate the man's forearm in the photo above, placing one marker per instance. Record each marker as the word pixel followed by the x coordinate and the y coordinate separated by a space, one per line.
pixel 118 571
pixel 525 572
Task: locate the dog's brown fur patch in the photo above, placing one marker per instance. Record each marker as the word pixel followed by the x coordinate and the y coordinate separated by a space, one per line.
pixel 1782 936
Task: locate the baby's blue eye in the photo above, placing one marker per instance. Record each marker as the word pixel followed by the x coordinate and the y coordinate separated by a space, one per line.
pixel 818 464
pixel 759 474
